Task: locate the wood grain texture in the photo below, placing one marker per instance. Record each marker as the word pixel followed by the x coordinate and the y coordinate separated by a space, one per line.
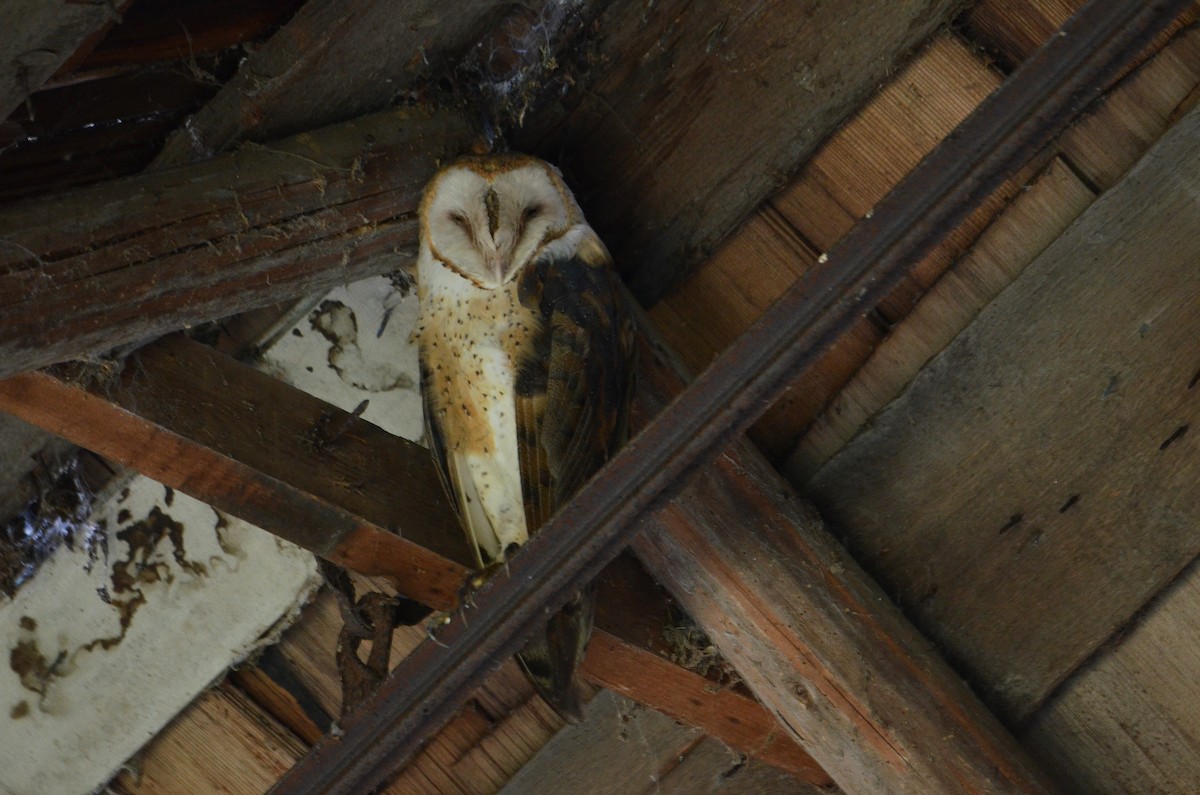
pixel 1128 722
pixel 847 176
pixel 819 643
pixel 1027 226
pixel 624 749
pixel 721 712
pixel 146 255
pixel 38 38
pixel 331 62
pixel 1012 31
pixel 699 110
pixel 1046 449
pixel 253 447
pixel 221 743
pixel 1106 143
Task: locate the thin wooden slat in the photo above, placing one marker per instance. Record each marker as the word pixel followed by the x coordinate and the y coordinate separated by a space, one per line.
pixel 1012 31
pixel 622 749
pixel 724 714
pixel 982 495
pixel 1127 722
pixel 221 743
pixel 843 181
pixel 1105 144
pixel 702 108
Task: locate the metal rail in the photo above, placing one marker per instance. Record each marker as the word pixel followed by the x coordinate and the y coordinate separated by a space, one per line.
pixel 1007 129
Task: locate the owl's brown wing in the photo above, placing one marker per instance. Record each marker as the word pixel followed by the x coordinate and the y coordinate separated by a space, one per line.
pixel 572 404
pixel 573 387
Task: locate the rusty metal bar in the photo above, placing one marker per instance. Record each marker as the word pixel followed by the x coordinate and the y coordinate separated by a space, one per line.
pixel 1023 115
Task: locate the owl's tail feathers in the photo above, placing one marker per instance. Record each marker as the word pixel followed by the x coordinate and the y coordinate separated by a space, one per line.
pixel 550 659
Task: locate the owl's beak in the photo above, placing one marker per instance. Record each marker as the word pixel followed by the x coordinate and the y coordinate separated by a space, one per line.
pixel 500 259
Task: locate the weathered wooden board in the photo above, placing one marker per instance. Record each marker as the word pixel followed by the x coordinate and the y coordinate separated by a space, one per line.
pixel 1041 465
pixel 819 643
pixel 222 743
pixel 1100 148
pixel 721 710
pixel 1128 721
pixel 146 255
pixel 38 38
pixel 700 109
pixel 1032 222
pixel 851 172
pixel 331 62
pixel 1106 143
pixel 625 749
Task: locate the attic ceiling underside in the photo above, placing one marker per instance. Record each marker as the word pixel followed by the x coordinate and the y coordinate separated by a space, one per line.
pixel 1000 441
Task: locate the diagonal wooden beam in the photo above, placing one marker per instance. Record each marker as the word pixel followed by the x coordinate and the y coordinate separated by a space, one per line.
pixel 331 62
pixel 139 257
pixel 255 447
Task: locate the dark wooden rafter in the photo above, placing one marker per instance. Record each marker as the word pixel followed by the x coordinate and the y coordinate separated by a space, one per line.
pixel 151 254
pixel 329 63
pixel 256 448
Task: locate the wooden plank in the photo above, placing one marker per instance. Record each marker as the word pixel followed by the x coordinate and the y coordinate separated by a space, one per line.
pixel 1106 143
pixel 723 713
pixel 1099 148
pixel 982 497
pixel 329 63
pixel 1012 31
pixel 818 642
pixel 253 447
pixel 149 254
pixel 39 38
pixel 622 748
pixel 700 109
pixel 851 172
pixel 221 743
pixel 1031 223
pixel 1128 721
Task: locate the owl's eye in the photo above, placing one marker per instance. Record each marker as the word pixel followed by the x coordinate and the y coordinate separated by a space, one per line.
pixel 531 213
pixel 460 220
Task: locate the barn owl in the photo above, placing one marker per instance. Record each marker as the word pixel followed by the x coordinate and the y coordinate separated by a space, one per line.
pixel 525 370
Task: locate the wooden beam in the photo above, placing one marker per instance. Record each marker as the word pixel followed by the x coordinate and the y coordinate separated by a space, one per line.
pixel 1049 448
pixel 329 63
pixel 252 446
pixel 146 255
pixel 257 448
pixel 699 110
pixel 815 638
pixel 38 38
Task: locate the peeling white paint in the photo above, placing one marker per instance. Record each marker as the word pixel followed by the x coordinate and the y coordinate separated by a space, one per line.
pixel 212 595
pixel 344 353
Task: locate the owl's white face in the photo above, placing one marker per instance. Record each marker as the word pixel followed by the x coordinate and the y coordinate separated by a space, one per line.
pixel 489 218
